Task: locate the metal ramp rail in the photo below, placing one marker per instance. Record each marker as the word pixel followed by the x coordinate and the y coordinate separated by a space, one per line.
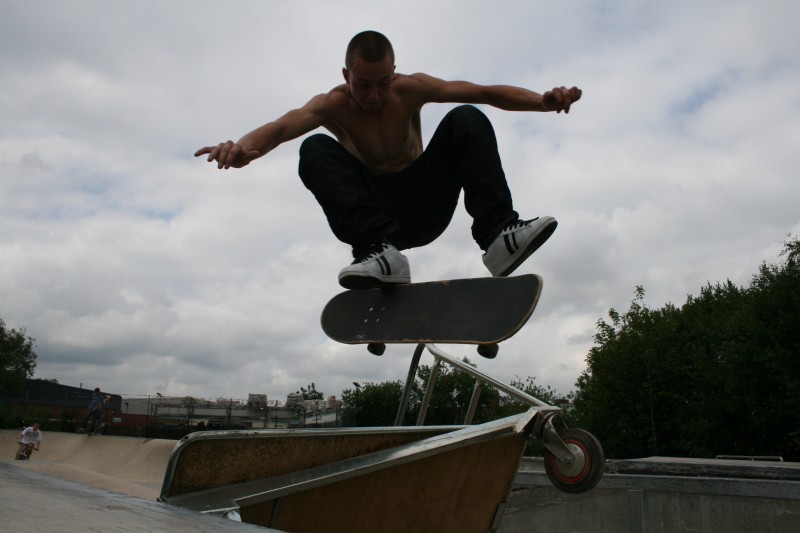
pixel 481 380
pixel 574 458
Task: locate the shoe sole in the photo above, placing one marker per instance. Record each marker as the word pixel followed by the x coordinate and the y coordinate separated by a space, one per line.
pixel 356 282
pixel 531 246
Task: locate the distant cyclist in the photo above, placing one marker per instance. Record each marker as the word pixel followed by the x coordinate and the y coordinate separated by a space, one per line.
pixel 94 418
pixel 30 439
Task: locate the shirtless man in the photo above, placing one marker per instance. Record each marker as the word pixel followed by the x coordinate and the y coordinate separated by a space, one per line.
pixel 379 189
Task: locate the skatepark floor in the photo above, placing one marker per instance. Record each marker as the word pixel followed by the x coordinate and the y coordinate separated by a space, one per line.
pixel 97 483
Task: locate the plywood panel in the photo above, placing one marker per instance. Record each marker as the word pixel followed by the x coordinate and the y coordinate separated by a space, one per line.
pixel 212 463
pixel 458 490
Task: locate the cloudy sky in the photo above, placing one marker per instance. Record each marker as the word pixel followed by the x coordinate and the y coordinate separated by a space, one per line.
pixel 141 269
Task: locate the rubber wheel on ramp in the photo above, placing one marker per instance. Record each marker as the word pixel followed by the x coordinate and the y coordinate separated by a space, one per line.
pixel 587 468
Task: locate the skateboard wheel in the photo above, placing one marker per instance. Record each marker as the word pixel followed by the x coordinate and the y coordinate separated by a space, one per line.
pixel 489 351
pixel 586 469
pixel 376 348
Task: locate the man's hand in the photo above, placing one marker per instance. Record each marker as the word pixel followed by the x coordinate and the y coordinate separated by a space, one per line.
pixel 560 99
pixel 228 154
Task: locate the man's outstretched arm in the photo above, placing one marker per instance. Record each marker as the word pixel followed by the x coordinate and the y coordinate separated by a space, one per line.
pixel 266 138
pixel 505 97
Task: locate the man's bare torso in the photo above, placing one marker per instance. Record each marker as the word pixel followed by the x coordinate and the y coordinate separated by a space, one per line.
pixel 387 140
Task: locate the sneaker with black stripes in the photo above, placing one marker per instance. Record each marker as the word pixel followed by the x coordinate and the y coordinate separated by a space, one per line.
pixel 516 243
pixel 381 265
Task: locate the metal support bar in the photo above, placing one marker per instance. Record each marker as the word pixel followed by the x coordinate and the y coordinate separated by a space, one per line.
pixel 477 374
pixel 412 374
pixel 473 402
pixel 481 381
pixel 423 409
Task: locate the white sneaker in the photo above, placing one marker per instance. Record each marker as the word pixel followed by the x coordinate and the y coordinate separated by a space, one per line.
pixel 516 243
pixel 382 266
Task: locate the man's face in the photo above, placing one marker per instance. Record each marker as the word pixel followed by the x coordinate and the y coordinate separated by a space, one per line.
pixel 370 83
pixel 35 427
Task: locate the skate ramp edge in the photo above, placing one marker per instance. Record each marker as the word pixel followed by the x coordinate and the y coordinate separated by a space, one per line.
pixel 129 465
pixel 394 478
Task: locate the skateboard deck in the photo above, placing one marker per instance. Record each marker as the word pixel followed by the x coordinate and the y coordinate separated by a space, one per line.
pixel 460 311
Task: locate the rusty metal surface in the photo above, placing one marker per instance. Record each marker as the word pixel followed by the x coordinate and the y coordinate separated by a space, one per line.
pixel 215 459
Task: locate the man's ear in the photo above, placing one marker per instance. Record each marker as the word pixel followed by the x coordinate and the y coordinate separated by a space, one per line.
pixel 346 75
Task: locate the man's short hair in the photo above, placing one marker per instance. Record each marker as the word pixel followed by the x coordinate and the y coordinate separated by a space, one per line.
pixel 369 45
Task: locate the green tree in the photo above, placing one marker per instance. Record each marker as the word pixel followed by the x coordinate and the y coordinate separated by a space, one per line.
pixel 371 404
pixel 17 358
pixel 508 405
pixel 311 393
pixel 717 376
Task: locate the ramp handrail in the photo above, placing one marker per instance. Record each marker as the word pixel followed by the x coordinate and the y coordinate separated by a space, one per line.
pixel 481 380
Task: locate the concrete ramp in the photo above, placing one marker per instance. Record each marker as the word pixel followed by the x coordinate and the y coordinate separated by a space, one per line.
pixel 378 479
pixel 132 466
pixel 31 501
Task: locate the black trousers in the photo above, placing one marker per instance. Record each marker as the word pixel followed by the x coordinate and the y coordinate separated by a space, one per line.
pixel 414 206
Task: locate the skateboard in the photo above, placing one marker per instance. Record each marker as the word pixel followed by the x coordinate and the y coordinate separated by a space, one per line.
pixel 482 311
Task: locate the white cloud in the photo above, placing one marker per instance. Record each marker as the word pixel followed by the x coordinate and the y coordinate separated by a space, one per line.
pixel 142 269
